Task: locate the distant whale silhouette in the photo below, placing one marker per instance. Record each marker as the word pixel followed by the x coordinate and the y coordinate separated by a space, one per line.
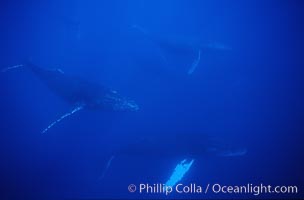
pixel 179 145
pixel 80 93
pixel 183 47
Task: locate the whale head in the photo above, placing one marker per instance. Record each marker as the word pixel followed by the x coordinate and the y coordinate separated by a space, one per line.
pixel 112 101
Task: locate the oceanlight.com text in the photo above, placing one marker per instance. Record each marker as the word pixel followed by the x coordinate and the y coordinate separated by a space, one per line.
pixel 253 189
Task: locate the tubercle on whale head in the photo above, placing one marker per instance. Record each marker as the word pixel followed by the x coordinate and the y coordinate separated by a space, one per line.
pixel 123 104
pixel 128 105
pixel 120 103
pixel 112 101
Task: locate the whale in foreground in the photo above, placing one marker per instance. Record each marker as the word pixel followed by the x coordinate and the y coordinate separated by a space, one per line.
pixel 81 94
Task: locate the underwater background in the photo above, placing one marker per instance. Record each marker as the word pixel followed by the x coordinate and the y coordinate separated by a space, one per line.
pixel 245 93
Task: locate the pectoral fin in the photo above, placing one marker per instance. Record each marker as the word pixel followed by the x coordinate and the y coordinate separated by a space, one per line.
pixel 106 167
pixel 195 63
pixel 78 108
pixel 180 170
pixel 12 67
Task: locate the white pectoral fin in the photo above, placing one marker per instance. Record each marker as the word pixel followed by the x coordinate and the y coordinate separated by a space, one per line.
pixel 195 63
pixel 10 68
pixel 78 108
pixel 180 170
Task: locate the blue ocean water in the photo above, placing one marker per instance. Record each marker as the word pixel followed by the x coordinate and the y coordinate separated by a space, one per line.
pixel 219 82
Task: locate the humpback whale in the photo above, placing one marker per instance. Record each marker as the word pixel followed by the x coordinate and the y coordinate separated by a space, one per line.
pixel 176 145
pixel 185 147
pixel 182 47
pixel 80 93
